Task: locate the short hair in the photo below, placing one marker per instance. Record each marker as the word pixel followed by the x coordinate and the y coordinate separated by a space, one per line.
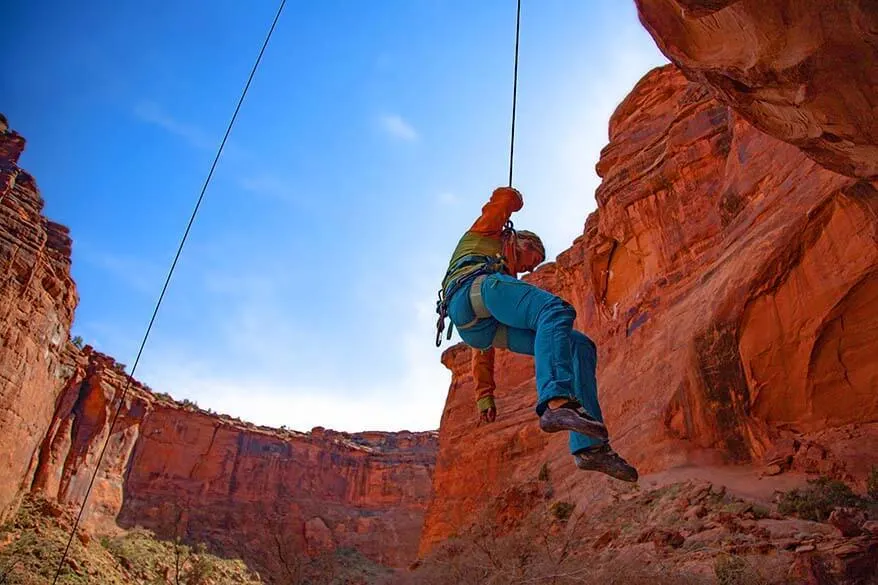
pixel 532 241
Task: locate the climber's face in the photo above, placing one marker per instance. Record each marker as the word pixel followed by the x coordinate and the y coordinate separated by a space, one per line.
pixel 529 257
pixel 524 251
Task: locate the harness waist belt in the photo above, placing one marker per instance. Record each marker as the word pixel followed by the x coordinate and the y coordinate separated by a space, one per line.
pixel 475 299
pixel 501 339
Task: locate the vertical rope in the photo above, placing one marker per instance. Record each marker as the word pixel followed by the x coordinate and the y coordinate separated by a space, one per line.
pixel 514 92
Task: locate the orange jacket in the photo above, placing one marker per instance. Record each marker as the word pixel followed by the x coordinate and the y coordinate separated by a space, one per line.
pixel 485 237
pixel 496 212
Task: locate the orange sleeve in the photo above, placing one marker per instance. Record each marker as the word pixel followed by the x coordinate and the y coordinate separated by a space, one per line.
pixel 483 372
pixel 496 212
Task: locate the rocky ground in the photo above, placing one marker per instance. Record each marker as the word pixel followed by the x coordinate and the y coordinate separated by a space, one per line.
pixel 687 532
pixel 695 532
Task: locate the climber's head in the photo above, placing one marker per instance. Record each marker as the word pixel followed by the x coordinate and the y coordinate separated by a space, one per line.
pixel 523 250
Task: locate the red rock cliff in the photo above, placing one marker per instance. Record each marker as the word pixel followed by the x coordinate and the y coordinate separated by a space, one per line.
pixel 730 284
pixel 181 471
pixel 266 495
pixel 804 71
pixel 37 299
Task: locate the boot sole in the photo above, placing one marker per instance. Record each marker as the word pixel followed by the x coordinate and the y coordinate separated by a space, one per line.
pixel 586 427
pixel 620 476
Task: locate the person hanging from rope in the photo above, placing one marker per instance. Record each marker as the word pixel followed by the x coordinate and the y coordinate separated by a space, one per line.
pixel 492 308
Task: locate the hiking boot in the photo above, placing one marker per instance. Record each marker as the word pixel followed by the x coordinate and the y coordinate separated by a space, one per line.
pixel 572 417
pixel 602 458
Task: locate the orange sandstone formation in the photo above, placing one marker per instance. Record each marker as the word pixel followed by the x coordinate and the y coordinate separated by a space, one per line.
pixel 730 284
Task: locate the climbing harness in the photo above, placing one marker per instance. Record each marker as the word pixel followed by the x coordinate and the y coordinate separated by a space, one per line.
pixel 158 304
pixel 482 266
pixel 478 305
pixel 477 302
pixel 481 313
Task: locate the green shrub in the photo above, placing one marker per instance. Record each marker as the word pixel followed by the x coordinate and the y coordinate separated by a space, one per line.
pixel 872 484
pixel 189 403
pixel 544 472
pixel 760 512
pixel 817 501
pixel 734 570
pixel 562 510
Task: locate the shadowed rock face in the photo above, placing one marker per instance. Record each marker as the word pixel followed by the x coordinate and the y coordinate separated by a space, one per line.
pixel 729 282
pixel 803 71
pixel 37 299
pixel 181 471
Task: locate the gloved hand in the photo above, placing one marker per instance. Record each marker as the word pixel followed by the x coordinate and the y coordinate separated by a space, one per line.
pixel 510 194
pixel 487 409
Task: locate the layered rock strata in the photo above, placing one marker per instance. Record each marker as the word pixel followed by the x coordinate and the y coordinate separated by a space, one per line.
pixel 37 300
pixel 803 71
pixel 729 282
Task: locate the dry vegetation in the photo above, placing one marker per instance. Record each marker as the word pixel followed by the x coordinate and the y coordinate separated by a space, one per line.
pixel 683 534
pixel 32 544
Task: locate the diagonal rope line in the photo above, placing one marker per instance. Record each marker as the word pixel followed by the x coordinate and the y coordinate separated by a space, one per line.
pixel 166 284
pixel 514 91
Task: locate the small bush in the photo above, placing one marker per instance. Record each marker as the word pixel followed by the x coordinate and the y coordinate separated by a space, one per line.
pixel 77 341
pixel 872 484
pixel 734 570
pixel 200 570
pixel 562 510
pixel 760 512
pixel 817 501
pixel 189 403
pixel 544 473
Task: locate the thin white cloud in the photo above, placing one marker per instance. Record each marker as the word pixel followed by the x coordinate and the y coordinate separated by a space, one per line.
pixel 270 186
pixel 135 273
pixel 448 198
pixel 278 395
pixel 396 127
pixel 153 113
pixel 259 367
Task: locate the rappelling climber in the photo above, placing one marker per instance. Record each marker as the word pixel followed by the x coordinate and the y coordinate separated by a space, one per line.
pixel 492 308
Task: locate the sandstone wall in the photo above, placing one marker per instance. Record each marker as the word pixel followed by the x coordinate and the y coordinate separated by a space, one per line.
pixel 729 282
pixel 803 71
pixel 181 471
pixel 37 299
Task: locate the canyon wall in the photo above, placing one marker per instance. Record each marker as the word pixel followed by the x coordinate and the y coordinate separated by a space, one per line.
pixel 37 299
pixel 729 282
pixel 267 495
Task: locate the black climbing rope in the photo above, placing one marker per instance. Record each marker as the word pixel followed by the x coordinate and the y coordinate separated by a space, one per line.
pixel 508 228
pixel 165 286
pixel 514 91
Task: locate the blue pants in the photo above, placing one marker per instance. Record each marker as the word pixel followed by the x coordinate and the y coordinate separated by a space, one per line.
pixel 539 324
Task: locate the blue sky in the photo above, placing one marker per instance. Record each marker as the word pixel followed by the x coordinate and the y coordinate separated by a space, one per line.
pixel 371 136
